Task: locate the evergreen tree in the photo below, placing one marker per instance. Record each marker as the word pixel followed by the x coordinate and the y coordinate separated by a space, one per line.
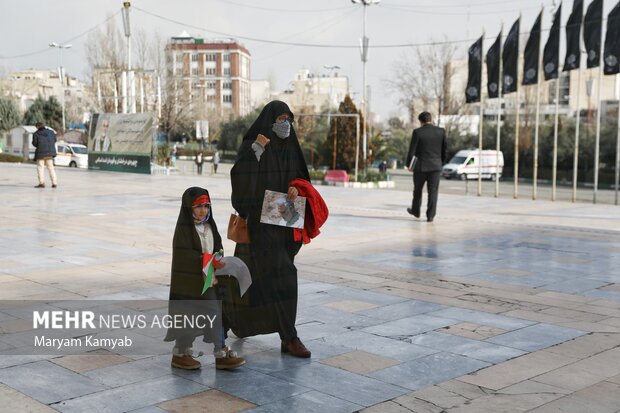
pixel 47 111
pixel 343 131
pixel 9 115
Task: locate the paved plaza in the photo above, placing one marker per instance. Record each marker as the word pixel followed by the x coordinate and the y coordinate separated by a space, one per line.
pixel 499 305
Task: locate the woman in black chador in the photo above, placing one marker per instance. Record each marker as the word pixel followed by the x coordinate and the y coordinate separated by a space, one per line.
pixel 269 158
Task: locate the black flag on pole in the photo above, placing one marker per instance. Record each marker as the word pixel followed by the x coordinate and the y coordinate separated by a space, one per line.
pixel 493 61
pixel 573 32
pixel 592 26
pixel 611 53
pixel 474 78
pixel 531 55
pixel 510 59
pixel 551 53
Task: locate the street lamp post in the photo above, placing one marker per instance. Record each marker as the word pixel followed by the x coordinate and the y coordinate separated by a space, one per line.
pixel 329 109
pixel 129 103
pixel 61 76
pixel 364 55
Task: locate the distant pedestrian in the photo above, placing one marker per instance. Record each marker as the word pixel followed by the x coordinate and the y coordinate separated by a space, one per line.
pixel 174 156
pixel 216 161
pixel 427 153
pixel 383 167
pixel 45 141
pixel 199 161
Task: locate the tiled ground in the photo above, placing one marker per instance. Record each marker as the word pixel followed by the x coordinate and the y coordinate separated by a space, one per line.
pixel 499 305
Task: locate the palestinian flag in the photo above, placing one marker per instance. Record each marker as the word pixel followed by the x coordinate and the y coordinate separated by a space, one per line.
pixel 208 270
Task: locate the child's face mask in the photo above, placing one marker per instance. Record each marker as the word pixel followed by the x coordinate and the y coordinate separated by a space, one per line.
pixel 201 213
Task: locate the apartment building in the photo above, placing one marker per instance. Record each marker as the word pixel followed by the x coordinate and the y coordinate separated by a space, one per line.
pixel 26 85
pixel 214 74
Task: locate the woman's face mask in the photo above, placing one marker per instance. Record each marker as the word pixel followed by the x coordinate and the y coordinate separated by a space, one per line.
pixel 282 129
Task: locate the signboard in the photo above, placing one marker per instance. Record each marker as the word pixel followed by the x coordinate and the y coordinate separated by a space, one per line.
pixel 202 129
pixel 121 142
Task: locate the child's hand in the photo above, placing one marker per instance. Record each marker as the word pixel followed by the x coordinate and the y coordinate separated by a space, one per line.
pixel 217 264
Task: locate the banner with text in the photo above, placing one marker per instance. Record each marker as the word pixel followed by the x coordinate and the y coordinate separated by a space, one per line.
pixel 121 142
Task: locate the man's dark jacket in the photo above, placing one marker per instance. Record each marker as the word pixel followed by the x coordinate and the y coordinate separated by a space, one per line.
pixel 44 140
pixel 428 144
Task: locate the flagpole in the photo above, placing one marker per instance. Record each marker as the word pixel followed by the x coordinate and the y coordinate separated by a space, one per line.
pixel 617 177
pixel 554 171
pixel 499 111
pixel 515 193
pixel 577 122
pixel 598 119
pixel 481 124
pixel 540 74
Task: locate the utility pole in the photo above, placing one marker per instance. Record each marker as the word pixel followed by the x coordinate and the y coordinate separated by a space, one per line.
pixel 364 55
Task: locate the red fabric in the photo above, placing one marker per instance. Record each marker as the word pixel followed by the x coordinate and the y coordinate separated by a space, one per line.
pixel 316 211
pixel 206 257
pixel 202 199
pixel 217 264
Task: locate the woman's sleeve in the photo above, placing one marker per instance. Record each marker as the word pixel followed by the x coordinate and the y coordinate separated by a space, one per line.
pixel 243 177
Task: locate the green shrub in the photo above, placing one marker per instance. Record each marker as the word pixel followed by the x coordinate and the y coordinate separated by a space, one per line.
pixel 317 175
pixel 371 176
pixel 7 157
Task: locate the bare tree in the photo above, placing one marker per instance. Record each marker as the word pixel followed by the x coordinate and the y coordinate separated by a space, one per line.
pixel 421 77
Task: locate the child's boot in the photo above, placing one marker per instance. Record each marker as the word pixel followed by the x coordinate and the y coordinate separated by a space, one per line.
pixel 227 359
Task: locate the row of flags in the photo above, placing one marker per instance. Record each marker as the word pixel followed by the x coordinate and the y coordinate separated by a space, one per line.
pixel 502 59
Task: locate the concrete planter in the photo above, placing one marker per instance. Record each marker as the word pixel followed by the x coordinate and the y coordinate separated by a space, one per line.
pixel 380 184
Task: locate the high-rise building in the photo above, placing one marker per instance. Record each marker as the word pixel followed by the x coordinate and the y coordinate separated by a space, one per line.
pixel 214 74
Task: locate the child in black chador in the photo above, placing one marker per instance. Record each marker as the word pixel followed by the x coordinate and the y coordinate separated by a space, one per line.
pixel 196 239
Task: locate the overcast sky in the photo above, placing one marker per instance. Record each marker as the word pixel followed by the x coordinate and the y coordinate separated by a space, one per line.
pixel 27 26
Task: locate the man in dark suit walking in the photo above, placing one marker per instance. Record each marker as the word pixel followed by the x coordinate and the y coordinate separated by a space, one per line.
pixel 429 147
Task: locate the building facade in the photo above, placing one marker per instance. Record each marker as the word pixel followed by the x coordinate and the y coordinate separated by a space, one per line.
pixel 213 74
pixel 312 92
pixel 26 85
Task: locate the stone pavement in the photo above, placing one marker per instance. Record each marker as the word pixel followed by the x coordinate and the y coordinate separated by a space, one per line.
pixel 498 305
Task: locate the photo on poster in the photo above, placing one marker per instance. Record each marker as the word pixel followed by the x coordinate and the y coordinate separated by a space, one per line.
pixel 278 210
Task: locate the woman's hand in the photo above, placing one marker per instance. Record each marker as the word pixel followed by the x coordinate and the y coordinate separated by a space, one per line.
pixel 292 193
pixel 262 140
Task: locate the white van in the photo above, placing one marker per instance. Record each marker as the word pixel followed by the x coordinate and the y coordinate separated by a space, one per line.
pixel 466 164
pixel 71 154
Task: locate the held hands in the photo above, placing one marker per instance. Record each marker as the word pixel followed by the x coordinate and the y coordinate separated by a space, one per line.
pixel 217 264
pixel 292 193
pixel 262 140
pixel 217 260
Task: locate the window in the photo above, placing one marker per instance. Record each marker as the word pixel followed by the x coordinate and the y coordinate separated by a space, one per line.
pixel 226 57
pixel 210 57
pixel 210 71
pixel 227 70
pixel 179 57
pixel 227 85
pixel 194 71
pixel 194 57
pixel 210 85
pixel 227 98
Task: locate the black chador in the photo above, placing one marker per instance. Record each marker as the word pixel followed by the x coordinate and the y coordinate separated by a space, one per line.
pixel 186 282
pixel 271 304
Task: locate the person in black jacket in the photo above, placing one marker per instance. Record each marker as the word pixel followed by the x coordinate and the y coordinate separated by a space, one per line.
pixel 44 140
pixel 427 153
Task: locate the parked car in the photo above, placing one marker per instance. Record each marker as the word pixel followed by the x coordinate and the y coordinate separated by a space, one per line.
pixel 467 163
pixel 71 154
